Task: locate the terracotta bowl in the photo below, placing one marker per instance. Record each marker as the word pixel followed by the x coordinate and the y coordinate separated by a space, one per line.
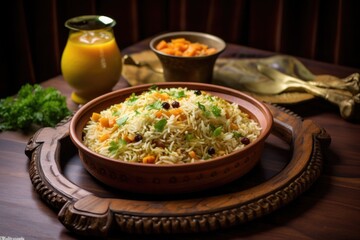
pixel 188 69
pixel 165 179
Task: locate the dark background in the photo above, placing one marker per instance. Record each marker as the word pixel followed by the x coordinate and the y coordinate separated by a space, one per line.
pixel 33 33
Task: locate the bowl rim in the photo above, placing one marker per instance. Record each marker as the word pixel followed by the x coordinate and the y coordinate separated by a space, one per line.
pixel 192 85
pixel 157 38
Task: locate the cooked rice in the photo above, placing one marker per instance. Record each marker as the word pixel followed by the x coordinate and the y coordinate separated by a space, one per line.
pixel 144 128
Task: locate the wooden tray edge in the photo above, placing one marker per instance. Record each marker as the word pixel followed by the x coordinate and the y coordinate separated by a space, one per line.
pixel 68 198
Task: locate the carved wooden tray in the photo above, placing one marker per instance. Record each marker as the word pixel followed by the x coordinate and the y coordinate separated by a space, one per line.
pixel 265 189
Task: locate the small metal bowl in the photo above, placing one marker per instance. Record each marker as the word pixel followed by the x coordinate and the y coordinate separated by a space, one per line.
pixel 188 69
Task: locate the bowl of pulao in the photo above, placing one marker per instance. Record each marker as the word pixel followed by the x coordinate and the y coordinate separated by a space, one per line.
pixel 172 137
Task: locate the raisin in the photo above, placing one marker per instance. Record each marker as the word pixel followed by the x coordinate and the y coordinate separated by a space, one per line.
pixel 197 92
pixel 138 137
pixel 245 141
pixel 175 104
pixel 165 105
pixel 211 151
pixel 158 143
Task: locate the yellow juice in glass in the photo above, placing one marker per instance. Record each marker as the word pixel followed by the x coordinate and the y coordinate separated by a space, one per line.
pixel 91 63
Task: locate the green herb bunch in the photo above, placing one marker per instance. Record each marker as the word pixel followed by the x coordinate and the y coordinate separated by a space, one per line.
pixel 33 105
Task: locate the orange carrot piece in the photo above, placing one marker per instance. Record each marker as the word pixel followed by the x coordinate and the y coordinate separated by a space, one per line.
pixel 210 51
pixel 129 138
pixel 95 116
pixel 233 126
pixel 111 122
pixel 178 40
pixel 158 114
pixel 169 51
pixel 104 137
pixel 161 96
pixel 149 159
pixel 161 45
pixel 175 111
pixel 192 154
pixel 104 122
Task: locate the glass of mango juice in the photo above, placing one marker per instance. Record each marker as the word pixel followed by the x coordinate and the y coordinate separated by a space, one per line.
pixel 91 61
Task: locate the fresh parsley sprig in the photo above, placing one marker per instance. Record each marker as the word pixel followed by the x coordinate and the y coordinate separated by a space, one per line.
pixel 33 105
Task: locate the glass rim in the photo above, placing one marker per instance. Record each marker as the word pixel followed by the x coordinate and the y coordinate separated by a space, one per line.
pixel 90 22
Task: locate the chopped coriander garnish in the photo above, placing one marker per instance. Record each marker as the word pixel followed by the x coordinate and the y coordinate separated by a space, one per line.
pixel 155 105
pixel 210 98
pixel 116 147
pixel 122 121
pixel 216 111
pixel 189 136
pixel 237 134
pixel 132 99
pixel 203 109
pixel 153 87
pixel 201 106
pixel 113 147
pixel 179 94
pixel 217 131
pixel 160 125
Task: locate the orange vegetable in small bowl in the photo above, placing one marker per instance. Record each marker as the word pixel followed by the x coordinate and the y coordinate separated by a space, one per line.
pixel 184 48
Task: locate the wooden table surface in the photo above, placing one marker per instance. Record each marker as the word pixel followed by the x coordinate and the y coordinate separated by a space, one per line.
pixel 330 209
